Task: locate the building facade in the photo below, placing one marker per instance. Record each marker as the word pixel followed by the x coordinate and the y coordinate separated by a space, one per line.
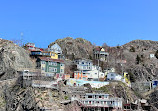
pixel 52 55
pixel 50 65
pixel 100 54
pixel 57 49
pixel 83 64
pixel 31 47
pixel 90 75
pixel 99 100
pixel 114 76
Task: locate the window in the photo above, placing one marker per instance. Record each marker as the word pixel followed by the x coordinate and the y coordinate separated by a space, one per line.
pixel 61 70
pixel 82 62
pixel 90 96
pixel 43 62
pixel 84 78
pixel 61 64
pixel 61 75
pixel 43 68
pixel 52 69
pixel 55 64
pixel 95 73
pixel 50 63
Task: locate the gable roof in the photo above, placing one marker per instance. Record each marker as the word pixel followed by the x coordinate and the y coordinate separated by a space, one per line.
pixel 50 59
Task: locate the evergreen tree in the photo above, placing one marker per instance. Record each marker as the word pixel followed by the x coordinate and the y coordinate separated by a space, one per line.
pixel 156 54
pixel 138 59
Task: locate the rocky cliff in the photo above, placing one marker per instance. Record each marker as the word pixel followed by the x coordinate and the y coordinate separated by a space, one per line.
pixel 137 56
pixel 12 58
pixel 145 70
pixel 75 48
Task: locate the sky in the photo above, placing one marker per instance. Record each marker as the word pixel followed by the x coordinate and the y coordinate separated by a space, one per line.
pixel 114 22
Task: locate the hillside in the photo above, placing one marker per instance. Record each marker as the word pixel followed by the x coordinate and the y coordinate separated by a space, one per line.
pixel 146 70
pixel 139 62
pixel 12 57
pixel 75 48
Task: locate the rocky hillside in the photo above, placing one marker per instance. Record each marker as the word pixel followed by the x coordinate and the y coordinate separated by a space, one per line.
pixel 138 62
pixel 136 53
pixel 12 57
pixel 75 48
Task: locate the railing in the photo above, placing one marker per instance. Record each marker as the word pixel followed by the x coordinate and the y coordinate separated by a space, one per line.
pixel 45 84
pixel 111 102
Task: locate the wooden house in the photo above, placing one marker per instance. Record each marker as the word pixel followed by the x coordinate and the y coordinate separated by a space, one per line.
pixel 47 64
pixel 100 54
pixel 52 55
pixel 57 49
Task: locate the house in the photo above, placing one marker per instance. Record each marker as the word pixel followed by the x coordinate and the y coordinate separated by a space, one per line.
pixel 127 78
pixel 100 53
pixel 53 55
pixel 36 54
pixel 152 56
pixel 154 83
pixel 83 64
pixel 67 76
pixel 99 100
pixel 57 49
pixel 31 47
pixel 49 65
pixel 109 70
pixel 92 74
pixel 114 76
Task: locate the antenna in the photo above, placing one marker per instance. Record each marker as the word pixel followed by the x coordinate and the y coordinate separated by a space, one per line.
pixel 21 38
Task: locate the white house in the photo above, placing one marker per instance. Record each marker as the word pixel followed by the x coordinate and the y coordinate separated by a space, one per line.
pixel 84 64
pixel 55 48
pixel 152 55
pixel 114 76
pixel 109 70
pixel 95 73
pixel 92 74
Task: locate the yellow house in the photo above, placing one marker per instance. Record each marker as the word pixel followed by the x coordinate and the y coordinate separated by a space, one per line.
pixel 53 55
pixel 127 78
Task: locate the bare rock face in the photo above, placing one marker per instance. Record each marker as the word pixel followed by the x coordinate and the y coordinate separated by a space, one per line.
pixel 75 48
pixel 145 69
pixel 19 99
pixel 12 58
pixel 152 97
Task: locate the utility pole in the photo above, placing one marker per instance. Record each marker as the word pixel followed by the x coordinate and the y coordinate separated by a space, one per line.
pixel 121 62
pixel 98 69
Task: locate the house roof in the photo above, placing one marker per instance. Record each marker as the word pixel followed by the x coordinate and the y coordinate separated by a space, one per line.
pixel 100 49
pixel 50 59
pixel 82 59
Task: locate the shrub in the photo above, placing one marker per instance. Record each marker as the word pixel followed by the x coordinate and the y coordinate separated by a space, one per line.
pixel 132 49
pixel 156 54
